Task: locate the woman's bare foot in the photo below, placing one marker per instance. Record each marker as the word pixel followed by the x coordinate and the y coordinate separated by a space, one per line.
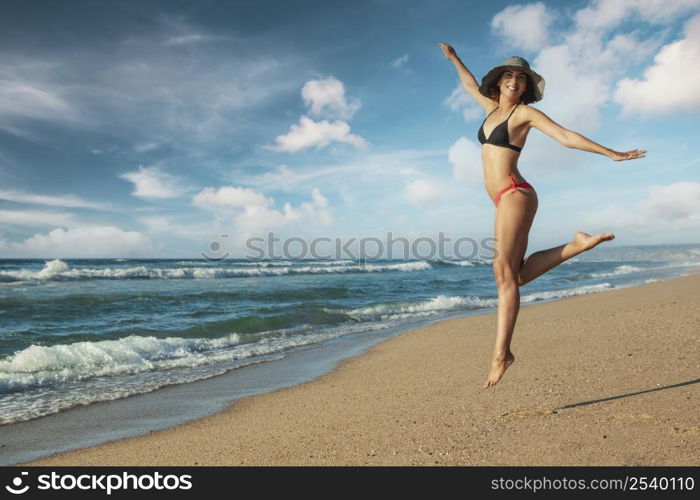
pixel 585 241
pixel 499 365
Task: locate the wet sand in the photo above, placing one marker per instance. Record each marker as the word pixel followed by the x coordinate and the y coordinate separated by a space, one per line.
pixel 611 378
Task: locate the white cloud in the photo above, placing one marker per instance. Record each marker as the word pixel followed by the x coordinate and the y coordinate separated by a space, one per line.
pixel 230 197
pixel 167 95
pixel 676 202
pixel 256 220
pixel 144 147
pixel 318 199
pixel 465 157
pixel 147 88
pixel 281 177
pixel 177 31
pixel 580 73
pixel 156 223
pixel 327 98
pixel 190 39
pixel 310 133
pixel 581 62
pixel 317 211
pixel 34 218
pixel 574 94
pixel 40 199
pixel 459 100
pixel 603 14
pixel 422 193
pixel 672 82
pixel 524 26
pixel 607 14
pixel 81 242
pixel 26 99
pixel 166 226
pixel 365 170
pixel 254 213
pixel 547 159
pixel 666 208
pixel 151 182
pixel 399 61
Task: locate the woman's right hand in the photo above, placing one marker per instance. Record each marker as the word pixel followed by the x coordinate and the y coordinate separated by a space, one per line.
pixel 628 155
pixel 448 50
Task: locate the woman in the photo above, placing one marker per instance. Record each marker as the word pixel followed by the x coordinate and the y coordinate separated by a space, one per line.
pixel 505 93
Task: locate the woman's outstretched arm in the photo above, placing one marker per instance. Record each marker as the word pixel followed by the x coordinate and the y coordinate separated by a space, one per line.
pixel 574 140
pixel 468 81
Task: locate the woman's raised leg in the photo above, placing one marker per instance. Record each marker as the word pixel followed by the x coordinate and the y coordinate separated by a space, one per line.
pixel 514 217
pixel 540 262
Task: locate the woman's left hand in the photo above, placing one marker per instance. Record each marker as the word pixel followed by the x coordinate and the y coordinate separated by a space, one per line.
pixel 629 155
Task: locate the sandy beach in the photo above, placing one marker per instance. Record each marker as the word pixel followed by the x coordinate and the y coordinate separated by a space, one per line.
pixel 611 378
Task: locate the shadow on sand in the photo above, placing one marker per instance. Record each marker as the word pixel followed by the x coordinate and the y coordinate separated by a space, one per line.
pixel 611 398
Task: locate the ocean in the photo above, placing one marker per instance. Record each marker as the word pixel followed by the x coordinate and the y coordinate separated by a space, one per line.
pixel 79 331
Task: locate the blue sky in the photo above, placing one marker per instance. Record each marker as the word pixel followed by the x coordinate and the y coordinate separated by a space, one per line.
pixel 147 129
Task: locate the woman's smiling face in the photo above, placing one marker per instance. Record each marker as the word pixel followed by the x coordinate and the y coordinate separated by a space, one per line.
pixel 513 83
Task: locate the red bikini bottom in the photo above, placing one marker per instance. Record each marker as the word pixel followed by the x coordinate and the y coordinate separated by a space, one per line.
pixel 513 187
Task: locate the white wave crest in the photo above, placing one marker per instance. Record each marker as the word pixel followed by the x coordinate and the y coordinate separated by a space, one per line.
pixel 624 269
pixel 441 303
pixel 45 380
pixel 52 268
pixel 39 365
pixel 560 294
pixel 59 270
pixel 463 263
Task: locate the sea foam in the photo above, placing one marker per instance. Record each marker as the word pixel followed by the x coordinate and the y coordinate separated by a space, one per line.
pixel 58 270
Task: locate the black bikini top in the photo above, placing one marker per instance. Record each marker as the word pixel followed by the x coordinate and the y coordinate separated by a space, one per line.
pixel 499 135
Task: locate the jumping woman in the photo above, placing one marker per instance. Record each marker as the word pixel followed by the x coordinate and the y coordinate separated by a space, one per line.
pixel 505 93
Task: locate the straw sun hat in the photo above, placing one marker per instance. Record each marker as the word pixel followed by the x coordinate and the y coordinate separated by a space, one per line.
pixel 513 62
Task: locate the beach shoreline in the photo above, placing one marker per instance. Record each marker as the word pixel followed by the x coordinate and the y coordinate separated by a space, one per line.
pixel 139 414
pixel 609 378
